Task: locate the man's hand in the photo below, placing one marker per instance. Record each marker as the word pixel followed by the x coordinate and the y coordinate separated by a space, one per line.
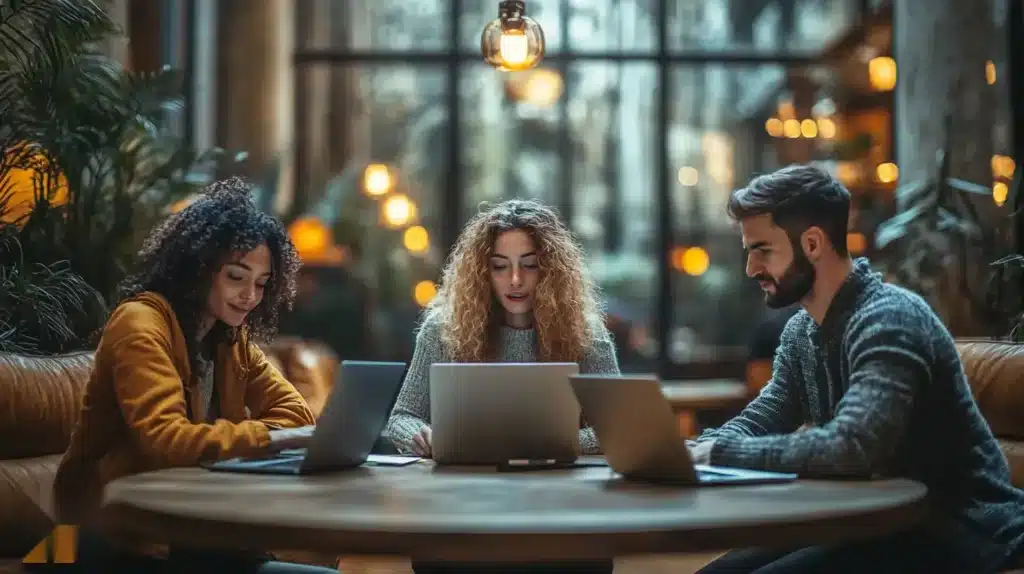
pixel 421 443
pixel 701 452
pixel 285 439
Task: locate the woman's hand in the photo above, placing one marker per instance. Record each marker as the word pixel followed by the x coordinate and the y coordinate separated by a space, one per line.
pixel 421 443
pixel 285 439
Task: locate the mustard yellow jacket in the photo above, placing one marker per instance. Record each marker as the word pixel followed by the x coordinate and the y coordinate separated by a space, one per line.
pixel 134 418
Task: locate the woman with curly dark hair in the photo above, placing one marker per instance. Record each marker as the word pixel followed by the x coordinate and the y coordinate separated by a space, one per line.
pixel 178 379
pixel 515 289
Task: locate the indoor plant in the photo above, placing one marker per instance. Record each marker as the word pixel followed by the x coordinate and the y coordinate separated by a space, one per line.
pixel 88 161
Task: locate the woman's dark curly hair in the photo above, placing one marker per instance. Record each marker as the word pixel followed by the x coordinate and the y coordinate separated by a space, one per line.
pixel 183 253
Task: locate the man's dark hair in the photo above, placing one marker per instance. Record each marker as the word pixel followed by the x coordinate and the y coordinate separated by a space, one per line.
pixel 797 197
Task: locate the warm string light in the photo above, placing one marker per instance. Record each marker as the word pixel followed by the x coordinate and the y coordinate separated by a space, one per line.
pixel 1000 191
pixel 1003 168
pixel 541 87
pixel 887 172
pixel 852 173
pixel 424 292
pixel 311 238
pixel 377 180
pixel 794 128
pixel 688 176
pixel 882 73
pixel 694 260
pixel 397 211
pixel 416 239
pixel 856 243
pixel 314 240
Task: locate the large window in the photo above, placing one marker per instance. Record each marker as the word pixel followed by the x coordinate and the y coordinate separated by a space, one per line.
pixel 638 144
pixel 509 139
pixel 765 26
pixel 717 140
pixel 384 26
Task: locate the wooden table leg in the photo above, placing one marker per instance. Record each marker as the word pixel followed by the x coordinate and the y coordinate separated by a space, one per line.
pixel 687 424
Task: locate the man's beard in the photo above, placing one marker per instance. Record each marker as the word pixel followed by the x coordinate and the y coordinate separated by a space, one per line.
pixel 795 284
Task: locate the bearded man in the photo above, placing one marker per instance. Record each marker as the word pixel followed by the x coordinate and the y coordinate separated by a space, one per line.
pixel 866 382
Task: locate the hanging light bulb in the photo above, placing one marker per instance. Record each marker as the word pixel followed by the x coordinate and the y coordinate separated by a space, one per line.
pixel 513 42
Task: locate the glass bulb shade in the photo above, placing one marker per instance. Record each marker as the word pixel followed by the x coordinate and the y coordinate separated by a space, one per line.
pixel 512 45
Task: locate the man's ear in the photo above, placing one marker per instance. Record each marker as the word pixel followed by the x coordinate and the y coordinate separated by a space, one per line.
pixel 813 241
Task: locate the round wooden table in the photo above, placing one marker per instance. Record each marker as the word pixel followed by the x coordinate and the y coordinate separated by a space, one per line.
pixel 460 514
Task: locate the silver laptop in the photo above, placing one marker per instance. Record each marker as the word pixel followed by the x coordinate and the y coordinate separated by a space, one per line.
pixel 348 427
pixel 490 413
pixel 639 433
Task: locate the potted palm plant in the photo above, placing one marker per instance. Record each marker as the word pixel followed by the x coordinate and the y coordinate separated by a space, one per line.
pixel 88 161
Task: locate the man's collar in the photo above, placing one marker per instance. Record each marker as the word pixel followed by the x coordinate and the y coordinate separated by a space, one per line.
pixel 844 303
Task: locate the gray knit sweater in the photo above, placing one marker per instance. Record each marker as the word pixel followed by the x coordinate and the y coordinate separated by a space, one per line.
pixel 412 408
pixel 882 383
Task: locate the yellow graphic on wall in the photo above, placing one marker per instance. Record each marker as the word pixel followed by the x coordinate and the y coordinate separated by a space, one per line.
pixel 60 547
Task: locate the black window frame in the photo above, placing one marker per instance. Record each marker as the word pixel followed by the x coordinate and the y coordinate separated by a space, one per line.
pixel 454 57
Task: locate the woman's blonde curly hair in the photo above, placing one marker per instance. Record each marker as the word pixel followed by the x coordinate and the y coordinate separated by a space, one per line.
pixel 567 315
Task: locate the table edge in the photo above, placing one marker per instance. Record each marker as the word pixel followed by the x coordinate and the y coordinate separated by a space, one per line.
pixel 125 520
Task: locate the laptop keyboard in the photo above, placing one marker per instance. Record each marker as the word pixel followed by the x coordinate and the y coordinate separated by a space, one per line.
pixel 714 476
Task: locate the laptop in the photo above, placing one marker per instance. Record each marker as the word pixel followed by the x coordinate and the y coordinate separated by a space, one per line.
pixel 639 433
pixel 348 427
pixel 491 413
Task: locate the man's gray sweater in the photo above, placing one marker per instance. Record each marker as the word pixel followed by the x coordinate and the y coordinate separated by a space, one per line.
pixel 882 384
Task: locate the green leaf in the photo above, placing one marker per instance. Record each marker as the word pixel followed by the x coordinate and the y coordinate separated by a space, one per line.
pixel 968 187
pixel 1009 261
pixel 909 194
pixel 897 227
pixel 267 192
pixel 341 196
pixel 950 223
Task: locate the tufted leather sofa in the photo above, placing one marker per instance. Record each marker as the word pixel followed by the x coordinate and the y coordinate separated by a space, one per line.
pixel 995 370
pixel 39 401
